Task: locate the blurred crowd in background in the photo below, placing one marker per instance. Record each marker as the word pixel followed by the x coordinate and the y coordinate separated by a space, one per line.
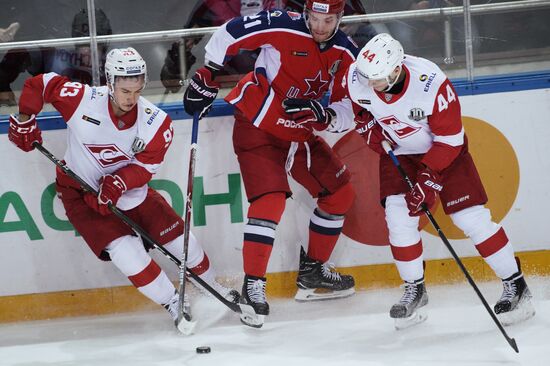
pixel 496 38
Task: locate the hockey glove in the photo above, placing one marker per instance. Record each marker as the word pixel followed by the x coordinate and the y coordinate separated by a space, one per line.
pixel 309 112
pixel 111 187
pixel 372 132
pixel 201 92
pixel 424 192
pixel 23 134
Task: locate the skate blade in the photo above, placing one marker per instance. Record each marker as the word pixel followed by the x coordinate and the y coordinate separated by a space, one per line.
pixel 305 295
pixel 525 310
pixel 186 326
pixel 250 318
pixel 419 316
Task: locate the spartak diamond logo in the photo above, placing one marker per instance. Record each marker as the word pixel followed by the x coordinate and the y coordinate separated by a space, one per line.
pixel 107 155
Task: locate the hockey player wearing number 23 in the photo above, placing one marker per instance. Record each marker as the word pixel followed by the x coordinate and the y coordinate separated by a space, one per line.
pixel 409 102
pixel 277 110
pixel 117 140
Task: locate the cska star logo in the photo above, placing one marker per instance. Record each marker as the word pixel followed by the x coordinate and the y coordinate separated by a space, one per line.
pixel 107 155
pixel 401 129
pixel 315 85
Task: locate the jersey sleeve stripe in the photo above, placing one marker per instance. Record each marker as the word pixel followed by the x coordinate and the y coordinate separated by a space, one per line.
pixel 452 140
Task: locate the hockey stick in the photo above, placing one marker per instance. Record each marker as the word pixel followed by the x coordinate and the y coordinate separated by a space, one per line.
pixel 187 214
pixel 511 341
pixel 238 308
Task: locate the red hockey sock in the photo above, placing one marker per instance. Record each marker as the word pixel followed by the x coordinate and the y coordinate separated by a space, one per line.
pixel 259 233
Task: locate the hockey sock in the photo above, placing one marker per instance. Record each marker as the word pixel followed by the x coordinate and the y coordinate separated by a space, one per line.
pixel 259 233
pixel 489 238
pixel 324 230
pixel 327 221
pixel 129 255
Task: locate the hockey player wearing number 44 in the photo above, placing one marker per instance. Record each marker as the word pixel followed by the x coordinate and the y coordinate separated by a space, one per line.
pixel 409 102
pixel 301 55
pixel 117 140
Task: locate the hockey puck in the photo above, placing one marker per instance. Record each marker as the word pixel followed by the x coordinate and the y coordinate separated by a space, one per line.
pixel 203 349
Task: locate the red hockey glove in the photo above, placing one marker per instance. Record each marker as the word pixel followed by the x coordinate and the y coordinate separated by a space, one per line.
pixel 23 134
pixel 372 132
pixel 111 187
pixel 308 112
pixel 424 192
pixel 91 201
pixel 201 92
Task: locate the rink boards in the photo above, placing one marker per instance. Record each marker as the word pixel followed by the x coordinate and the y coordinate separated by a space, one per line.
pixel 48 271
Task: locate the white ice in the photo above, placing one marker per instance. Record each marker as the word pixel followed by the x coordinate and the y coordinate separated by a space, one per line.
pixel 353 331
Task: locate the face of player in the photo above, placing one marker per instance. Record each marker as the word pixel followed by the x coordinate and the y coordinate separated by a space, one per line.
pixel 381 85
pixel 322 26
pixel 126 93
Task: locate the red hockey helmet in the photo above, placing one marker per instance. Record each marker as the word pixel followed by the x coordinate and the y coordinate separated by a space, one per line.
pixel 326 6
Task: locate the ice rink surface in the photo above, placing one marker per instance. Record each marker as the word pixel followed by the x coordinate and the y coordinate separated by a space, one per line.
pixel 353 331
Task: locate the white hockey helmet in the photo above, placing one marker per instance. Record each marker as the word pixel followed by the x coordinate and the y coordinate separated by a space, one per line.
pixel 124 62
pixel 379 57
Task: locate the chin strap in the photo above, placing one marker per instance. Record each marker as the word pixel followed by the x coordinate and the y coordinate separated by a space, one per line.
pixel 392 83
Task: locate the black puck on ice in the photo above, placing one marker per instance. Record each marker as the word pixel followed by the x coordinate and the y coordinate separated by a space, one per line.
pixel 203 349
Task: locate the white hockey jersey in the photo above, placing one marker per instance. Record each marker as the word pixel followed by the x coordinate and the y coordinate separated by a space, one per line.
pixel 426 113
pixel 99 143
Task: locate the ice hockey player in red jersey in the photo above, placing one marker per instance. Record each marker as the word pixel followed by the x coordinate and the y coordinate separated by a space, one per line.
pixel 410 102
pixel 116 142
pixel 301 56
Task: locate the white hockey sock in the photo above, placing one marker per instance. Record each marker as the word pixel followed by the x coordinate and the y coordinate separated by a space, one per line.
pixel 129 256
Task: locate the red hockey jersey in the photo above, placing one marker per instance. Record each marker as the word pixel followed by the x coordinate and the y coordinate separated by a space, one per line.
pixel 290 65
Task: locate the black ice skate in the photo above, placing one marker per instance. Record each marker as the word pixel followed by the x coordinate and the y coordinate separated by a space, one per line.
pixel 254 295
pixel 515 303
pixel 319 281
pixel 186 325
pixel 409 310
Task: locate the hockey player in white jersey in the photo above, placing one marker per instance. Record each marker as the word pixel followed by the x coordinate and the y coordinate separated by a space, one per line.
pixel 410 102
pixel 116 142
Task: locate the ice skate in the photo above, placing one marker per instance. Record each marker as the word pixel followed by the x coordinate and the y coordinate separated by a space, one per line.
pixel 186 326
pixel 410 309
pixel 319 281
pixel 254 300
pixel 515 304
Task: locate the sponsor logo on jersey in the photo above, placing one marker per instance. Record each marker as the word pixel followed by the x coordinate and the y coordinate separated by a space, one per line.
pixel 276 13
pixel 388 97
pixel 417 114
pixel 401 129
pixel 300 53
pixel 91 120
pixel 153 116
pixel 148 110
pixel 94 93
pixel 107 155
pixel 429 82
pixel 320 7
pixel 423 77
pixel 334 68
pixel 363 101
pixel 458 200
pixel 288 123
